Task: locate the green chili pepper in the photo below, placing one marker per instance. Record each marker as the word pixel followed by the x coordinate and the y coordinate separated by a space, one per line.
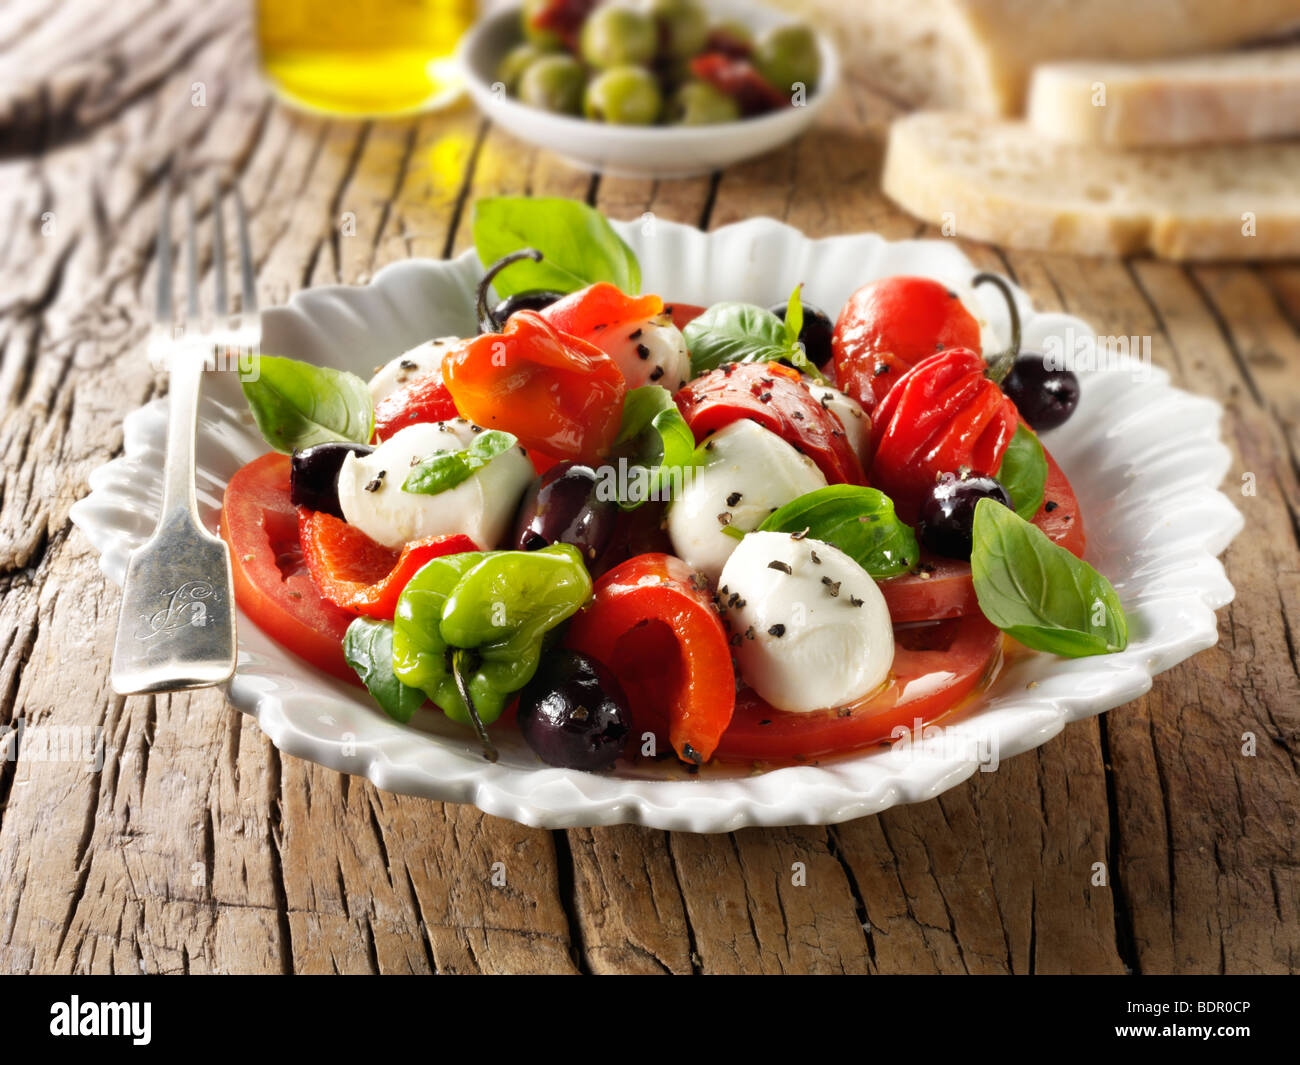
pixel 469 628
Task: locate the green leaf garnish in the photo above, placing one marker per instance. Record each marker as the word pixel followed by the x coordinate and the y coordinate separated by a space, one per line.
pixel 743 332
pixel 447 469
pixel 368 648
pixel 296 404
pixel 859 521
pixel 655 438
pixel 1023 472
pixel 579 247
pixel 1039 593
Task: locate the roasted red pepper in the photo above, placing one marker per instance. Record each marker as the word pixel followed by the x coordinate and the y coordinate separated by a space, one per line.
pixel 943 415
pixel 425 399
pixel 563 17
pixel 558 394
pixel 890 325
pixel 739 79
pixel 775 396
pixel 653 623
pixel 352 571
pixel 598 310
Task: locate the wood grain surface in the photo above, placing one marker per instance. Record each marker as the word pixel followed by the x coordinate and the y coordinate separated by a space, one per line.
pixel 199 848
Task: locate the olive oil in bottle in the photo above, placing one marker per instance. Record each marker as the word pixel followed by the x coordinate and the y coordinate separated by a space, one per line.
pixel 363 57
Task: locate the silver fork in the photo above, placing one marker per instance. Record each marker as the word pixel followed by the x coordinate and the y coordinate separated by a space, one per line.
pixel 176 629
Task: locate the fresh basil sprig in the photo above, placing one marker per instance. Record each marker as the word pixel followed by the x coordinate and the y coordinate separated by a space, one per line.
pixel 743 332
pixel 447 469
pixel 579 247
pixel 1039 593
pixel 859 521
pixel 296 404
pixel 653 437
pixel 1023 472
pixel 368 648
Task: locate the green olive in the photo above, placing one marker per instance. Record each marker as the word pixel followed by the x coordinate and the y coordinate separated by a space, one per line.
pixel 553 83
pixel 697 103
pixel 788 55
pixel 683 27
pixel 625 96
pixel 517 60
pixel 545 39
pixel 617 35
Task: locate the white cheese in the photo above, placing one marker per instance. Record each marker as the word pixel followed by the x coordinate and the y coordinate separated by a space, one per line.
pixel 652 352
pixel 814 638
pixel 848 411
pixel 482 506
pixel 420 361
pixel 749 471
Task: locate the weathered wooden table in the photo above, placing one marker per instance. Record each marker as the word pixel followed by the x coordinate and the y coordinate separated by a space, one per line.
pixel 199 847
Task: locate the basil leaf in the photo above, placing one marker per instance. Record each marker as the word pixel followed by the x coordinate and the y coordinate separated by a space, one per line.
pixel 296 404
pixel 579 247
pixel 742 332
pixel 447 469
pixel 794 316
pixel 859 521
pixel 1023 472
pixel 1039 593
pixel 368 648
pixel 654 438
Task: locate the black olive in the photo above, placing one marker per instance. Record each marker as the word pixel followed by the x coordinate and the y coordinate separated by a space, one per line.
pixel 494 320
pixel 573 713
pixel 562 508
pixel 1045 397
pixel 948 513
pixel 314 475
pixel 536 299
pixel 815 336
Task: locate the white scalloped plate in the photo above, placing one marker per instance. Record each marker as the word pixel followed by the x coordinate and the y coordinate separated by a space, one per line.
pixel 1145 460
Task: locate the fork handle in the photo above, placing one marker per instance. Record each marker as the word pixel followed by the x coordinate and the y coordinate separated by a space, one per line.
pixel 185 374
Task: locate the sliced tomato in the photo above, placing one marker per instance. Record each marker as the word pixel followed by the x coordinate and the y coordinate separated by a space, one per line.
pixel 942 587
pixel 653 623
pixel 425 399
pixel 935 667
pixel 354 572
pixel 598 310
pixel 776 397
pixel 272 584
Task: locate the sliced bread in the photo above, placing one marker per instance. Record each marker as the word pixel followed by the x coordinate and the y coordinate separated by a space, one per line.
pixel 976 55
pixel 1000 181
pixel 1228 97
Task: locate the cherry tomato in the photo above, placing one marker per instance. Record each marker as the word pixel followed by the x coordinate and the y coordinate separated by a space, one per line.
pixel 354 572
pixel 776 397
pixel 272 584
pixel 942 588
pixel 684 313
pixel 890 325
pixel 935 667
pixel 425 399
pixel 653 623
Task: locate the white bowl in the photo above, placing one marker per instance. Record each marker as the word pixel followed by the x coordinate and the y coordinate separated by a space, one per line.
pixel 637 151
pixel 1144 459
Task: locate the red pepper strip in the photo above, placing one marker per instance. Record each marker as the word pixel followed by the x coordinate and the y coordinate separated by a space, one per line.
pixel 653 623
pixel 596 312
pixel 558 394
pixel 354 572
pixel 739 79
pixel 942 415
pixel 777 398
pixel 564 17
pixel 425 399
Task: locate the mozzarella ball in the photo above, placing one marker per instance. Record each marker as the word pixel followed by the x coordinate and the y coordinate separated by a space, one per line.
pixel 652 352
pixel 849 413
pixel 420 361
pixel 815 637
pixel 482 506
pixel 749 471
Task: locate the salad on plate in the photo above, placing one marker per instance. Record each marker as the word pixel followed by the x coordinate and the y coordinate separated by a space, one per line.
pixel 635 529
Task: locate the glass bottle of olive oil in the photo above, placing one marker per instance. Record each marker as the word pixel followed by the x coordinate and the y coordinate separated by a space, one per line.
pixel 363 57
